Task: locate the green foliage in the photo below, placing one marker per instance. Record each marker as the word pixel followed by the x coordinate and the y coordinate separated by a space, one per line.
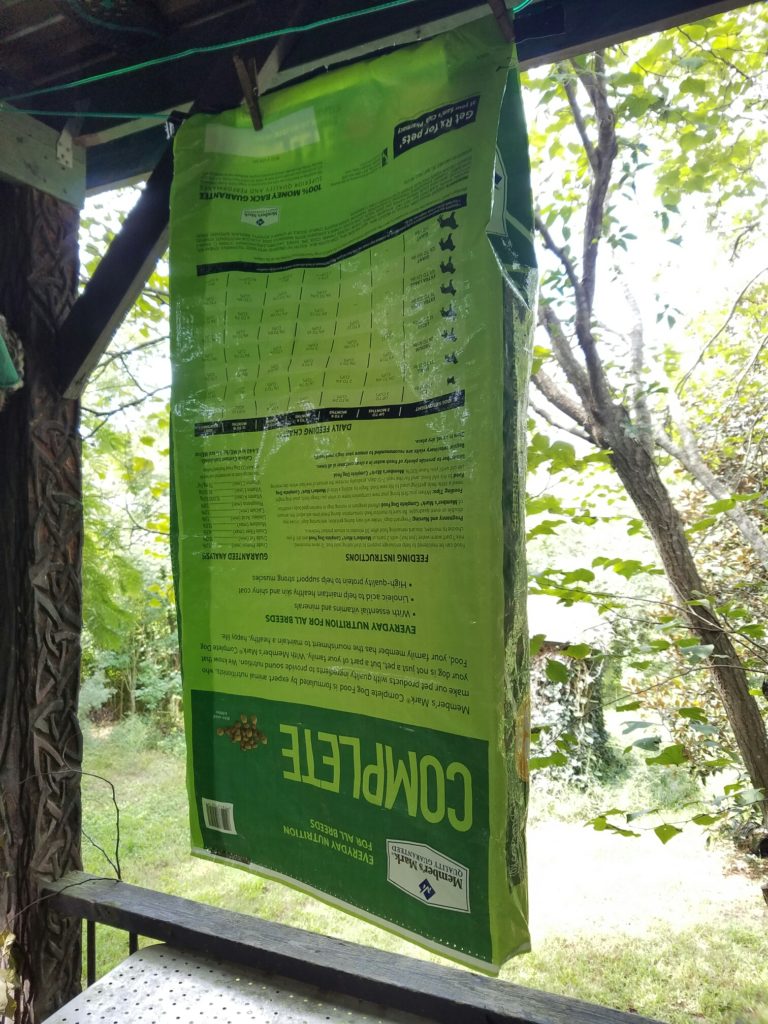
pixel 691 147
pixel 685 103
pixel 9 977
pixel 578 651
pixel 568 731
pixel 626 794
pixel 130 648
pixel 94 693
pixel 556 671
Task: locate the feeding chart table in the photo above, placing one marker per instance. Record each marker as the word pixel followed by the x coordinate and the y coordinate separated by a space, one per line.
pixel 377 336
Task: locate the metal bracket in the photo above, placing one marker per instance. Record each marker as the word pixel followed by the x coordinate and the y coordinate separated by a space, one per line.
pixel 64 149
pixel 65 142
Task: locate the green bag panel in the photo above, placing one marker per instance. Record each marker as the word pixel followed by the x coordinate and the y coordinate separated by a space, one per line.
pixel 351 295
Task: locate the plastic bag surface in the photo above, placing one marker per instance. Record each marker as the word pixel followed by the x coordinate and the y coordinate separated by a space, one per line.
pixel 347 416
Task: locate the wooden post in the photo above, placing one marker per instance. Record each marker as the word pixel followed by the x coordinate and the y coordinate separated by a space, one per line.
pixel 40 601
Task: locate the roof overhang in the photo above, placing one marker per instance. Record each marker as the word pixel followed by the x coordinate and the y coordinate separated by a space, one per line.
pixel 47 43
pixel 151 57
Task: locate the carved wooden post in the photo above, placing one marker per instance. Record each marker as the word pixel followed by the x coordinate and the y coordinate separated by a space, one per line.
pixel 40 601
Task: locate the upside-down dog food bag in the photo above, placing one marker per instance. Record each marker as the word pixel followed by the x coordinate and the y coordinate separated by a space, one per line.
pixel 351 321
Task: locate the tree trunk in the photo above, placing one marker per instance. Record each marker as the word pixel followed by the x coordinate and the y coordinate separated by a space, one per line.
pixel 40 603
pixel 639 475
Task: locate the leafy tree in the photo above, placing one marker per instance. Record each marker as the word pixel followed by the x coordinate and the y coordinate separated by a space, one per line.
pixel 130 648
pixel 684 107
pixel 690 105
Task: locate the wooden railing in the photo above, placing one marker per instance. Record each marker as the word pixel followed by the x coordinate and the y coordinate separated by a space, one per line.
pixel 440 993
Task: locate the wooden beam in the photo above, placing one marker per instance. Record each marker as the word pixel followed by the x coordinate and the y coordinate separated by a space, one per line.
pixel 548 31
pixel 542 38
pixel 28 157
pixel 119 131
pixel 604 23
pixel 440 993
pixel 124 161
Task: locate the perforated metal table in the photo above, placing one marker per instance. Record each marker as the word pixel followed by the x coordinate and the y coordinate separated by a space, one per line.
pixel 163 985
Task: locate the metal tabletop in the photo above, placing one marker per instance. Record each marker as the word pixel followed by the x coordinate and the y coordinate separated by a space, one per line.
pixel 163 985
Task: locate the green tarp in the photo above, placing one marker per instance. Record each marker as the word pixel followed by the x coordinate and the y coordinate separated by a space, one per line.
pixel 347 418
pixel 8 376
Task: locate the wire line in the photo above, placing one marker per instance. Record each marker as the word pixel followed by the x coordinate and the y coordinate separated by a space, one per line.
pixel 107 115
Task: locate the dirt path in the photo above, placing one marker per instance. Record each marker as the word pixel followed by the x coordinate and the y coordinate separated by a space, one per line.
pixel 582 880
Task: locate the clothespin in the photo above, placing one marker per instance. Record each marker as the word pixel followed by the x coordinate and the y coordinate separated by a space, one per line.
pixel 247 73
pixel 503 20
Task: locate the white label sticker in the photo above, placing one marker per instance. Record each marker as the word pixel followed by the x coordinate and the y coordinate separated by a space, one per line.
pixel 427 875
pixel 261 218
pixel 219 816
pixel 294 131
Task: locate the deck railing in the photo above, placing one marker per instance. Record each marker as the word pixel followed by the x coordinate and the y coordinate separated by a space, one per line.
pixel 439 993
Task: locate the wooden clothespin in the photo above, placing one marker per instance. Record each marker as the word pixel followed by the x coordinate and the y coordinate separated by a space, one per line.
pixel 503 20
pixel 248 75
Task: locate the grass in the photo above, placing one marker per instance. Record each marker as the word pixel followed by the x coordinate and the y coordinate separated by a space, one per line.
pixel 640 789
pixel 679 973
pixel 717 975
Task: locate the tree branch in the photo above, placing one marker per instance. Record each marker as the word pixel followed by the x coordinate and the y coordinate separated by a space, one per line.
pixel 715 56
pixel 636 363
pixel 140 526
pixel 158 293
pixel 578 118
pixel 597 394
pixel 561 254
pixel 540 411
pixel 561 350
pixel 560 400
pixel 744 233
pixel 747 455
pixel 605 152
pixel 708 345
pixel 597 400
pixel 111 357
pixel 104 414
pixel 594 84
pixel 748 367
pixel 687 453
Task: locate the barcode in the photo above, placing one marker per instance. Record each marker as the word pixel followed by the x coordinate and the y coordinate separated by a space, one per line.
pixel 219 816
